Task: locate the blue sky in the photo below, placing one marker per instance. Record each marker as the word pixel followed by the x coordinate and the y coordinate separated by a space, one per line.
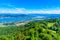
pixel 30 6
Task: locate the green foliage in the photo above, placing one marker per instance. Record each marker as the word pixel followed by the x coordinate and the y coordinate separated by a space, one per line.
pixel 35 30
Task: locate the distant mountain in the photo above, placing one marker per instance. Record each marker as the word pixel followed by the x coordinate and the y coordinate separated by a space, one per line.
pixel 24 17
pixel 29 15
pixel 13 15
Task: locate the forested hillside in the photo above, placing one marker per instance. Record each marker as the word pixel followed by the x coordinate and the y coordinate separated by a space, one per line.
pixel 48 29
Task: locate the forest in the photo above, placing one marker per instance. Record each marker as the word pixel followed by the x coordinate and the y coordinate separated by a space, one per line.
pixel 48 29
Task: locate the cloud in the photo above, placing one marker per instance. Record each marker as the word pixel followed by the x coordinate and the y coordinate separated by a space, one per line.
pixel 20 10
pixel 53 11
pixel 25 11
pixel 14 10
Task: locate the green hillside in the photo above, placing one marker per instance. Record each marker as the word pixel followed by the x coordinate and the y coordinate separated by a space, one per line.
pixel 34 30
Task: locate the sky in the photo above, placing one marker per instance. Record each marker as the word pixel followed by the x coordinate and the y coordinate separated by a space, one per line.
pixel 30 6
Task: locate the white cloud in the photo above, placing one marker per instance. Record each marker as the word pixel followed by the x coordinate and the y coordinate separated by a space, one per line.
pixel 12 9
pixel 25 11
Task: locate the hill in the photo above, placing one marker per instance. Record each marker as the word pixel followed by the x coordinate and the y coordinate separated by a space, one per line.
pixel 48 29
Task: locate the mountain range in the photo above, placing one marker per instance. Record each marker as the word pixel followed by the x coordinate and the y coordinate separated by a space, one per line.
pixel 24 17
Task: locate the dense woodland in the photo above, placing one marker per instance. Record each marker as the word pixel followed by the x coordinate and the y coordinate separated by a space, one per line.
pixel 48 29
